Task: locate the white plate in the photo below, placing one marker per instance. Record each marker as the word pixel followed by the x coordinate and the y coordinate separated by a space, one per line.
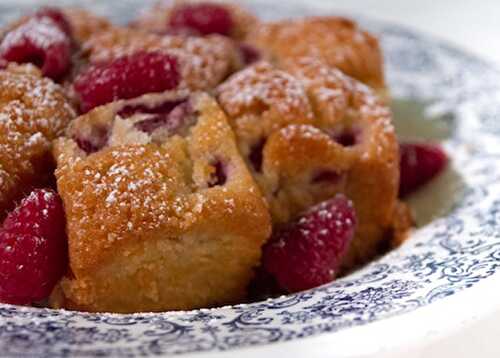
pixel 379 307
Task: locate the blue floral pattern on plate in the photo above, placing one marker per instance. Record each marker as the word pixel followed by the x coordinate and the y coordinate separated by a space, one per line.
pixel 448 255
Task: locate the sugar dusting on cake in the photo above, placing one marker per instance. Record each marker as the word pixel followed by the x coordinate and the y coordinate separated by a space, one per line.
pixel 33 112
pixel 261 85
pixel 204 61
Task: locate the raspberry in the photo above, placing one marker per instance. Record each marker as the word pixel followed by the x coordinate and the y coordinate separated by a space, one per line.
pixel 33 248
pixel 204 18
pixel 219 175
pixel 57 16
pixel 256 156
pixel 419 164
pixel 126 77
pixel 326 176
pixel 172 115
pixel 249 54
pixel 307 252
pixel 93 142
pixel 40 42
pixel 347 138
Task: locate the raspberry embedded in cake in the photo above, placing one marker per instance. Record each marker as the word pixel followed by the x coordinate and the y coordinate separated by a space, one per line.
pixel 39 41
pixel 308 251
pixel 193 17
pixel 204 18
pixel 33 248
pixel 170 115
pixel 249 54
pixel 203 62
pixel 256 154
pixel 219 174
pixel 127 77
pixel 176 207
pixel 309 132
pixel 347 138
pixel 326 176
pixel 146 119
pixel 94 141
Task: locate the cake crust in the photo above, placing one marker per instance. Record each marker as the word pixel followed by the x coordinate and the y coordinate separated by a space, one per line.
pixel 33 112
pixel 337 41
pixel 343 141
pixel 204 61
pixel 148 230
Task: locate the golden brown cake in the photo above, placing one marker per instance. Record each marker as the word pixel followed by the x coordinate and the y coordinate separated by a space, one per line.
pixel 162 213
pixel 157 18
pixel 84 23
pixel 310 132
pixel 204 62
pixel 33 112
pixel 337 41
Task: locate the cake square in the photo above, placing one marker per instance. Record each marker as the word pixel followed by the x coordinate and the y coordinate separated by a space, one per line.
pixel 160 216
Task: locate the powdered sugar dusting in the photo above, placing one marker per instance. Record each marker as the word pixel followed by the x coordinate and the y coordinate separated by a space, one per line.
pixel 259 85
pixel 339 97
pixel 33 112
pixel 43 32
pixel 337 41
pixel 204 61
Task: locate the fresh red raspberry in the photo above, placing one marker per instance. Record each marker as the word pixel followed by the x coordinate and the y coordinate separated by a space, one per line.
pixel 326 176
pixel 307 252
pixel 256 155
pixel 41 42
pixel 249 54
pixel 94 141
pixel 219 175
pixel 57 16
pixel 170 115
pixel 419 163
pixel 347 138
pixel 127 77
pixel 33 248
pixel 204 18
